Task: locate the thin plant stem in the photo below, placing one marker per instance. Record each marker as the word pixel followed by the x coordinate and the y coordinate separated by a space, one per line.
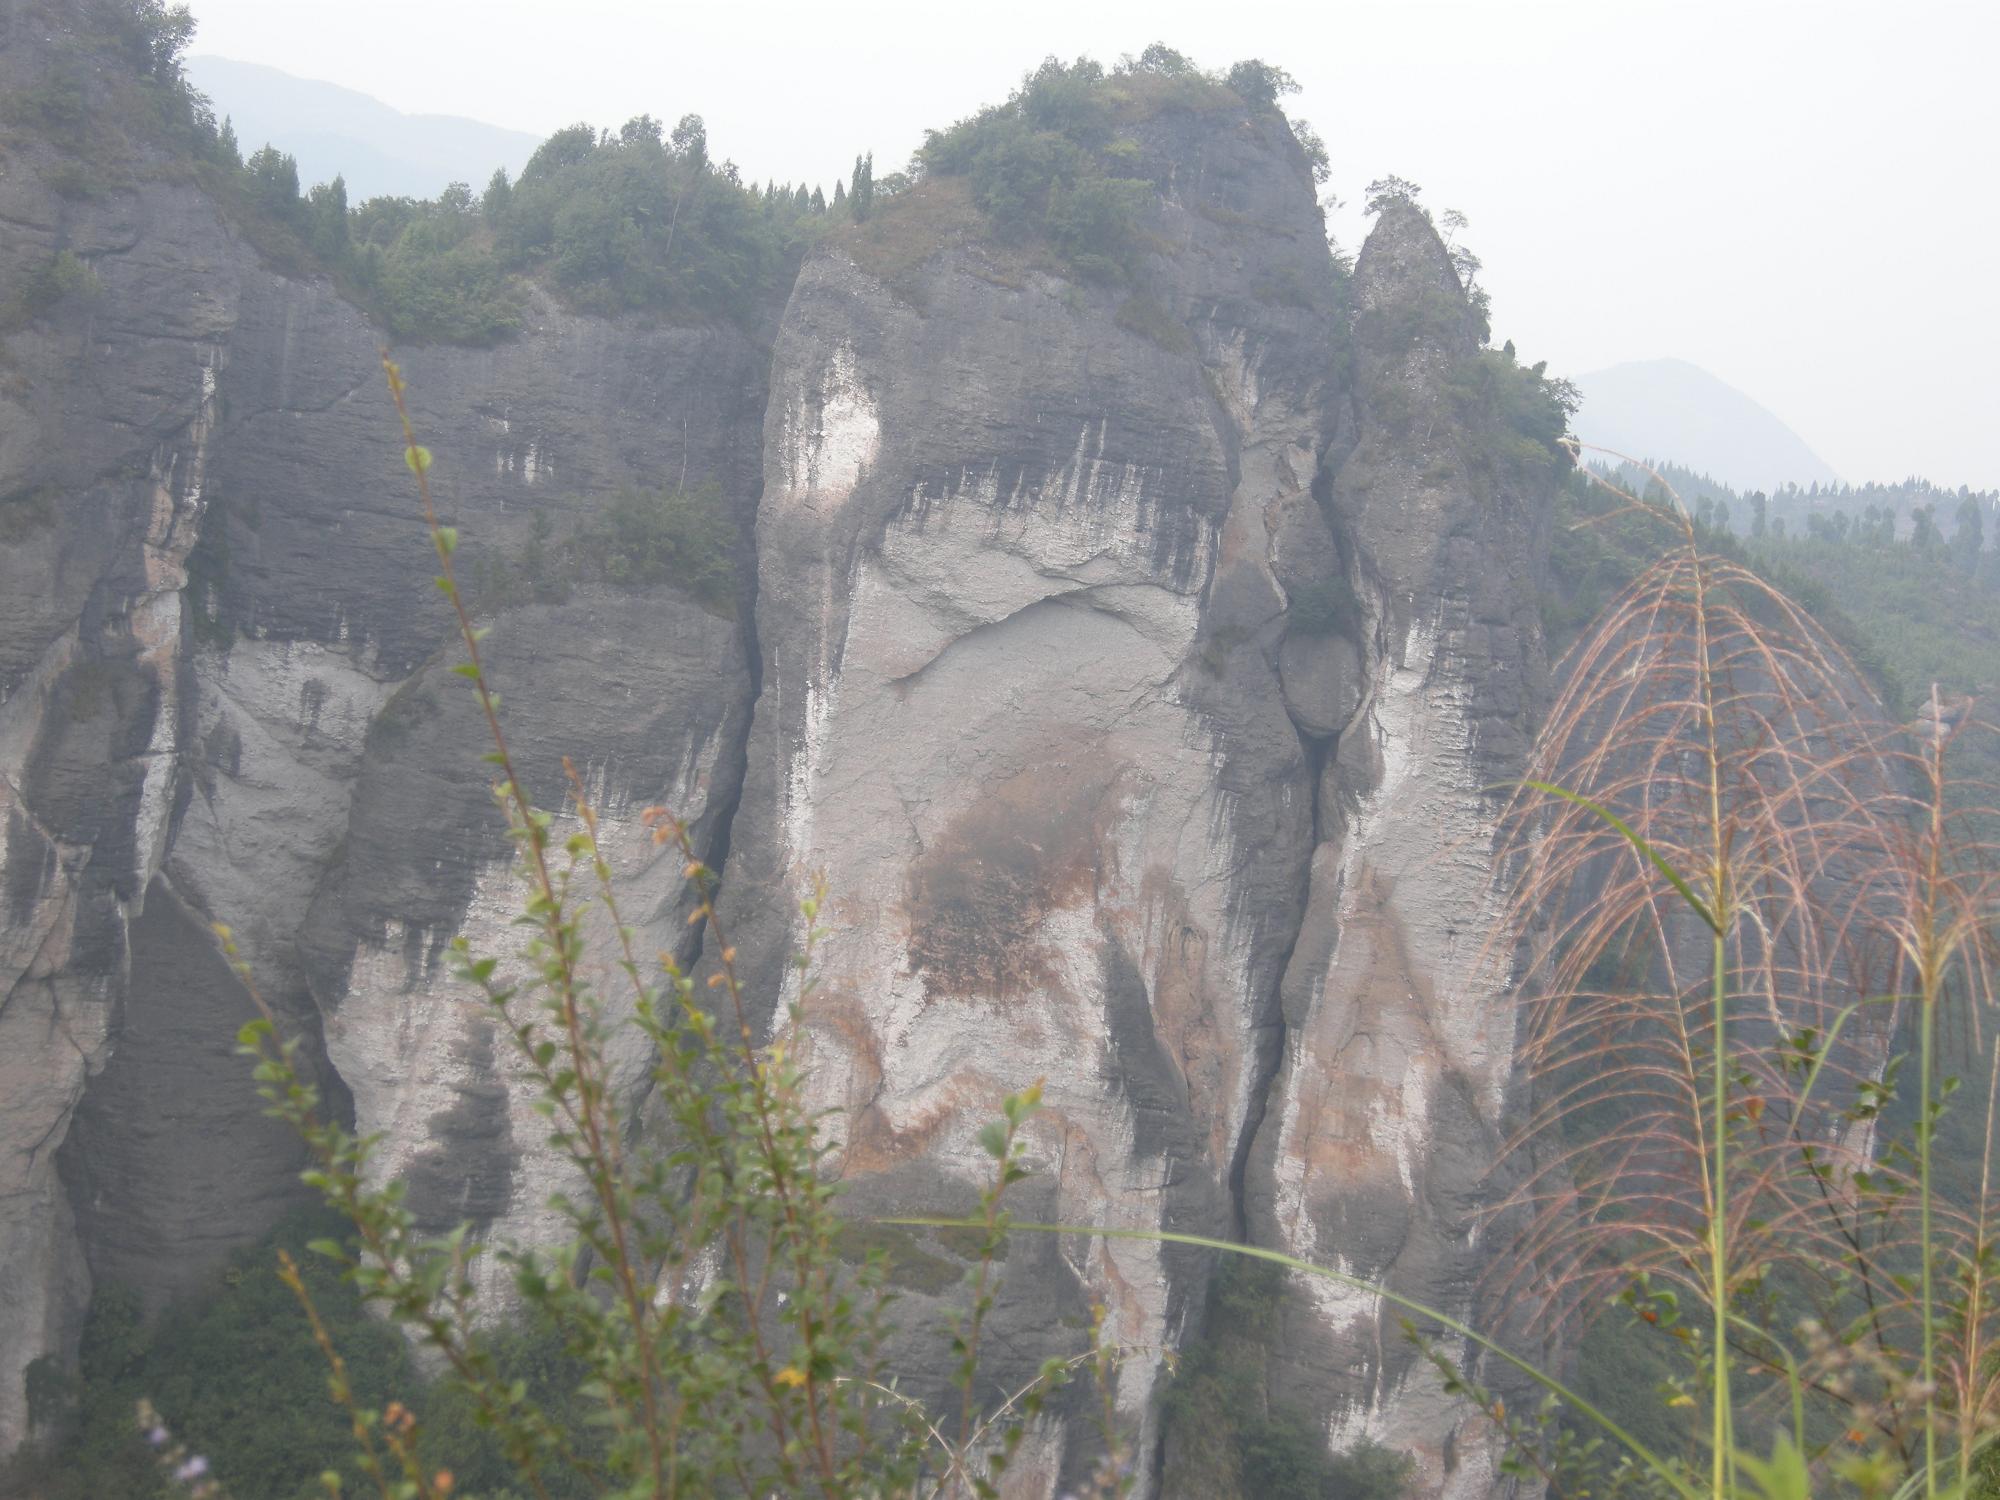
pixel 1926 1043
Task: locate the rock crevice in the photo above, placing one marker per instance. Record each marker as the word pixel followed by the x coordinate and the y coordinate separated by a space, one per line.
pixel 1135 702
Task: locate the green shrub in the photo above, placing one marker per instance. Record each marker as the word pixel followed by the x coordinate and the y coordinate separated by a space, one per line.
pixel 1142 314
pixel 55 103
pixel 457 295
pixel 63 277
pixel 643 538
pixel 27 511
pixel 1054 164
pixel 1515 416
pixel 1391 330
pixel 684 537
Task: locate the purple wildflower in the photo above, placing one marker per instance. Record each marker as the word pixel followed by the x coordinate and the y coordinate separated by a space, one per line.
pixel 194 1468
pixel 157 1436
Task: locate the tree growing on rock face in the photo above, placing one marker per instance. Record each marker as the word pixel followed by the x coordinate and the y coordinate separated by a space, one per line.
pixel 1260 83
pixel 160 35
pixel 1384 191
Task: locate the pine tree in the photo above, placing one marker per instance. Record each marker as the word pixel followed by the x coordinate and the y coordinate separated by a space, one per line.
pixel 1969 533
pixel 327 224
pixel 274 181
pixel 863 196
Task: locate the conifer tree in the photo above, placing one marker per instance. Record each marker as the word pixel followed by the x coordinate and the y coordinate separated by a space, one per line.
pixel 1969 533
pixel 328 222
pixel 499 194
pixel 863 196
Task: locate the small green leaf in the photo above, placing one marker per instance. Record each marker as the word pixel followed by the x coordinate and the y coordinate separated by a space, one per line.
pixel 417 457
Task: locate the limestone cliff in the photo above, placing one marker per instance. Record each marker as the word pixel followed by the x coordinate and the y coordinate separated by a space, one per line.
pixel 218 703
pixel 1130 660
pixel 1021 610
pixel 1385 1120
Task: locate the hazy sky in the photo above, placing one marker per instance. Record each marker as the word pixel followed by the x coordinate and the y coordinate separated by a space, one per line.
pixel 1803 198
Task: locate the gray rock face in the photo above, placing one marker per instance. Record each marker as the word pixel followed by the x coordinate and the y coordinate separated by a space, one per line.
pixel 1129 663
pixel 1031 706
pixel 650 697
pixel 1385 1117
pixel 212 582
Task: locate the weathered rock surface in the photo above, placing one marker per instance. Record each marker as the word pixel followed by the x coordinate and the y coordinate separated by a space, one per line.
pixel 1130 664
pixel 1023 589
pixel 212 578
pixel 1383 1124
pixel 650 697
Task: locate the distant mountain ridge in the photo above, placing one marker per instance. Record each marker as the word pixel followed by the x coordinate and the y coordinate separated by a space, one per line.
pixel 1670 409
pixel 379 150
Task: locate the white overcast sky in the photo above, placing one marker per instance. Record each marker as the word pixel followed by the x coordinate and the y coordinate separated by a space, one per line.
pixel 1802 196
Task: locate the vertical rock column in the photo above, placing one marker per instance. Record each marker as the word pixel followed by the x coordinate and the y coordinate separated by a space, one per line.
pixel 1385 1119
pixel 89 741
pixel 1020 711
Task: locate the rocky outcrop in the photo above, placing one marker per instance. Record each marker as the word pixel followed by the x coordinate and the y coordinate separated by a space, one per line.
pixel 213 584
pixel 1129 660
pixel 1376 1151
pixel 650 698
pixel 1094 809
